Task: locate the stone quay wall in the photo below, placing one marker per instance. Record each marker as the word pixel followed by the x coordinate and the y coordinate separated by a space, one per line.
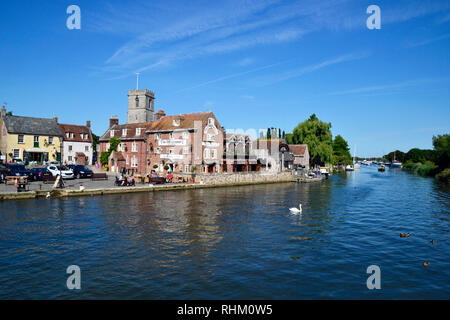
pixel 244 178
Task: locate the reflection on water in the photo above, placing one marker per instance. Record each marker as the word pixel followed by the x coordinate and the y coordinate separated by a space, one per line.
pixel 237 242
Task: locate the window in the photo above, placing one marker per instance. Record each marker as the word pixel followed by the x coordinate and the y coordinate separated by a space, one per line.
pixel 134 162
pixel 20 138
pixel 16 153
pixel 50 140
pixel 186 168
pixel 68 135
pixel 213 153
pixel 138 131
pixel 171 151
pixel 158 136
pixel 209 137
pixel 69 158
pixel 134 147
pixel 36 138
pixel 111 133
pixel 124 132
pixel 211 121
pixel 120 147
pixel 207 154
pixel 158 150
pixel 185 135
pixel 70 148
pixel 185 150
pixel 171 135
pixel 127 161
pixel 176 122
pixel 107 146
pixel 86 148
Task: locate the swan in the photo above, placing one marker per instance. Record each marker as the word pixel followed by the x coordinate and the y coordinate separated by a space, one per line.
pixel 296 210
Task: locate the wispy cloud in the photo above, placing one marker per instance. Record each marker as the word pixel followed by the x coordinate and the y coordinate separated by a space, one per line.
pixel 245 62
pixel 234 75
pixel 387 87
pixel 298 72
pixel 161 34
pixel 428 41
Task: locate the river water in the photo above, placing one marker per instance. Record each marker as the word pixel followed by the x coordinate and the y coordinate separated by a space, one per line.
pixel 235 242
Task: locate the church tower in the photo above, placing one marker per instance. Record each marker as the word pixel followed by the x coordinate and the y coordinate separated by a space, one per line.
pixel 140 106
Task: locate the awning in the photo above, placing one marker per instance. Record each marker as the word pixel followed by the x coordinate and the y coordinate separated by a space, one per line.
pixel 35 150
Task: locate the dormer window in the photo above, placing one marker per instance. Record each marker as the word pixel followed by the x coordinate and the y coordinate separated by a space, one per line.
pixel 158 136
pixel 111 133
pixel 176 122
pixel 138 131
pixel 124 132
pixel 211 121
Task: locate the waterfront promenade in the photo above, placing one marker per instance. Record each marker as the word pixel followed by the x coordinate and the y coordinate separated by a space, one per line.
pixel 104 187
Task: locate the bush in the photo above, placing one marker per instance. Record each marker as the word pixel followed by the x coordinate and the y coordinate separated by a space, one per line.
pixel 444 176
pixel 427 169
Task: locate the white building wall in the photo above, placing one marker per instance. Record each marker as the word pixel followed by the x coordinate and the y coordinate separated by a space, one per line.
pixel 77 147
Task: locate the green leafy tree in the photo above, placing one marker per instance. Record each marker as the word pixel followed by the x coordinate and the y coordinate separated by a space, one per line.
pixel 399 156
pixel 95 139
pixel 289 138
pixel 441 144
pixel 317 135
pixel 104 156
pixel 341 151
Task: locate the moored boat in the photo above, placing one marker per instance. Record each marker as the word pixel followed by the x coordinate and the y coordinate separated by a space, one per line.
pixel 349 168
pixel 381 168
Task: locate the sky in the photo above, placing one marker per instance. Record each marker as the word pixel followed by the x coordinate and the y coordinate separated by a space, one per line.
pixel 254 63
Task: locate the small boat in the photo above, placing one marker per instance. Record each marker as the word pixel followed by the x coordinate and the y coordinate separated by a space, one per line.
pixel 349 168
pixel 381 168
pixel 395 163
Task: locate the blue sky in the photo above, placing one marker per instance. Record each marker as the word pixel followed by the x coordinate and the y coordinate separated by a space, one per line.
pixel 255 63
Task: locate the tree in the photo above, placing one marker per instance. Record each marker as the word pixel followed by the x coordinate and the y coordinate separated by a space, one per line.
pixel 284 135
pixel 268 135
pixel 289 138
pixel 341 151
pixel 399 156
pixel 104 156
pixel 317 135
pixel 95 139
pixel 441 144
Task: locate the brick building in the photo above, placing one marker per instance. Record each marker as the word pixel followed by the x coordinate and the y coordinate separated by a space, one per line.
pixel 181 142
pixel 176 142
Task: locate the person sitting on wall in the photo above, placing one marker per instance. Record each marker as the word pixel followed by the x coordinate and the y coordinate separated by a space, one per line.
pixel 130 181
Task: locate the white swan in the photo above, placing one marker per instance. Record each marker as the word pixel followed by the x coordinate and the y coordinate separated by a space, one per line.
pixel 296 210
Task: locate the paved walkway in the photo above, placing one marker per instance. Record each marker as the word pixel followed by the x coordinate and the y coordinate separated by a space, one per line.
pixel 70 185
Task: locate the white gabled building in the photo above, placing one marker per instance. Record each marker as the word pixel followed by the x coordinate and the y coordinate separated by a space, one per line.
pixel 77 143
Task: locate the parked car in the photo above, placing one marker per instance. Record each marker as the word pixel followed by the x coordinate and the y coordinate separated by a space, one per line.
pixel 40 173
pixel 4 172
pixel 65 172
pixel 18 170
pixel 80 171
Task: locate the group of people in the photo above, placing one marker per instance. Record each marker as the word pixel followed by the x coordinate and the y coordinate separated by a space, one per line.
pixel 125 181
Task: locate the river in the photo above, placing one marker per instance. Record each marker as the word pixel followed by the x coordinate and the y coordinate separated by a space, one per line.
pixel 234 242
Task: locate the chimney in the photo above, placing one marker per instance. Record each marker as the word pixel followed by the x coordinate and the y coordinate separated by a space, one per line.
pixel 159 114
pixel 56 119
pixel 3 112
pixel 113 120
pixel 88 124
